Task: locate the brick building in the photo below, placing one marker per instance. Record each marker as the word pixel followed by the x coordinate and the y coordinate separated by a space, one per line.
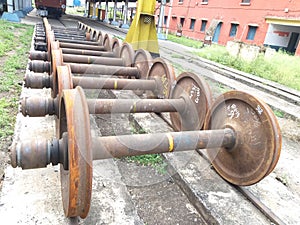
pixel 272 23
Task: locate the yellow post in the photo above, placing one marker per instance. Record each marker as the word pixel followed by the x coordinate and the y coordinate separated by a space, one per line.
pixel 142 32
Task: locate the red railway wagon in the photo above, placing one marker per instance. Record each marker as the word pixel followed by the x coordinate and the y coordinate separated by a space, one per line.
pixel 50 7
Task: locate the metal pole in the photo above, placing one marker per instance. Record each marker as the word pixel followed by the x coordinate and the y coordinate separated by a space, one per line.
pixel 160 20
pixel 107 70
pixel 39 153
pixel 114 22
pixel 106 11
pixel 141 144
pixel 99 10
pixel 94 11
pixel 85 8
pixel 89 9
pixel 125 25
pixel 110 83
pixel 107 106
pixel 169 18
pixel 93 60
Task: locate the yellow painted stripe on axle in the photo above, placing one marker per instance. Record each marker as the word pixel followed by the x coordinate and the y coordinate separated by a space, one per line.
pixel 171 142
pixel 134 107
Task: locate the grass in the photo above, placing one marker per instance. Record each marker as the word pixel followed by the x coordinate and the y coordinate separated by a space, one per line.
pixel 154 160
pixel 185 41
pixel 6 120
pixel 75 10
pixel 15 40
pixel 278 113
pixel 282 68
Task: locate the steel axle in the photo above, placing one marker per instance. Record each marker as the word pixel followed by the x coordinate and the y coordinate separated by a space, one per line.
pixel 189 103
pixel 105 65
pixel 242 138
pixel 160 79
pixel 40 153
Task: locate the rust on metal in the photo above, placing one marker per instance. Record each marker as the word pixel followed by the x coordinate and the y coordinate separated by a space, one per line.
pixel 38 55
pixel 108 106
pixel 87 52
pixel 36 106
pixel 143 61
pixel 141 144
pixel 258 144
pixel 37 80
pixel 105 70
pixel 76 182
pixel 163 73
pixel 65 40
pixel 107 43
pixel 198 99
pixel 39 66
pixel 116 47
pixel 82 46
pixel 127 54
pixel 113 83
pixel 93 60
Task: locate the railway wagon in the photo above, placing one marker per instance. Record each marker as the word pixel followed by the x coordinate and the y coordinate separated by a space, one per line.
pixel 50 7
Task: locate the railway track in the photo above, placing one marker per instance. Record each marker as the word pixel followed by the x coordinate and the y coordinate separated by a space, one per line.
pixel 262 207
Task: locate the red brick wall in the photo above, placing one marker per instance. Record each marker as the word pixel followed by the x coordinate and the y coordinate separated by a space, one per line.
pixel 229 11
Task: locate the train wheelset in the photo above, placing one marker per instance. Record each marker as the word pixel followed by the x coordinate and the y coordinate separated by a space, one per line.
pixel 240 133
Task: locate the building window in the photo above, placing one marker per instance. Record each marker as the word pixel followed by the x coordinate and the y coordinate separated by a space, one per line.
pixel 204 1
pixel 245 2
pixel 233 30
pixel 181 21
pixel 192 25
pixel 165 20
pixel 203 25
pixel 180 1
pixel 251 32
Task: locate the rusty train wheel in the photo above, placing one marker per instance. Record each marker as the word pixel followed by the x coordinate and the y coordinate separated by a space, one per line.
pixel 143 61
pixel 54 45
pixel 127 54
pixel 258 138
pixel 93 34
pixel 76 180
pixel 64 79
pixel 198 97
pixel 107 43
pixel 116 47
pixel 99 37
pixel 162 71
pixel 56 60
pixel 278 142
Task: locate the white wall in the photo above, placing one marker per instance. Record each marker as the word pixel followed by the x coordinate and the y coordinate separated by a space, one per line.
pixel 276 40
